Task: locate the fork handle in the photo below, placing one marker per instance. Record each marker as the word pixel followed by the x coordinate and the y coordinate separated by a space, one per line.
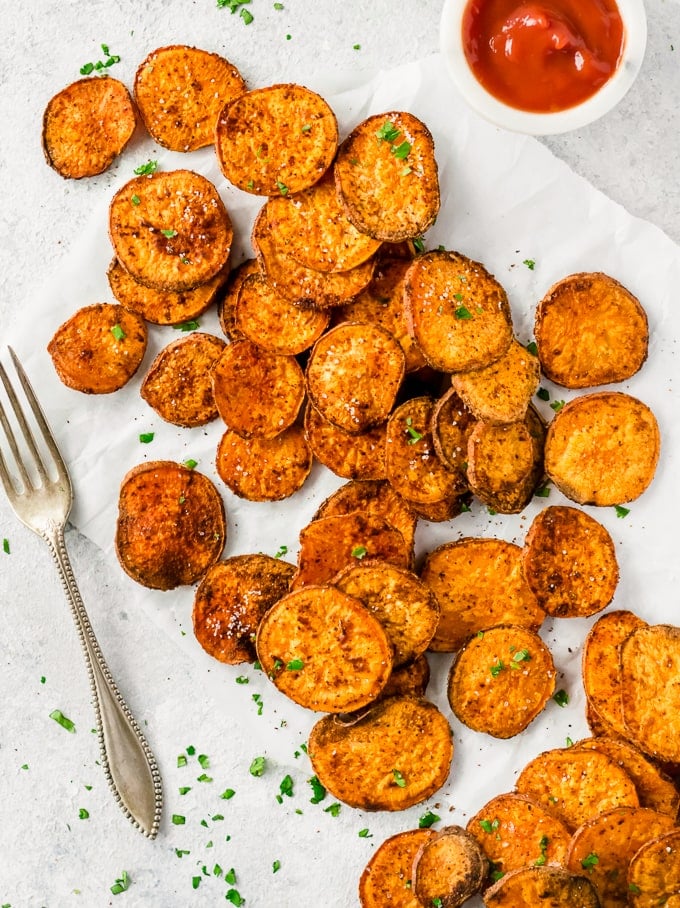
pixel 129 764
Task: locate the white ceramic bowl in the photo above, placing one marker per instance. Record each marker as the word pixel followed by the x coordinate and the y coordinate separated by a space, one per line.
pixel 451 44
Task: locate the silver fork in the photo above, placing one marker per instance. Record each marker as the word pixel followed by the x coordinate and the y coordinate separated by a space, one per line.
pixel 129 764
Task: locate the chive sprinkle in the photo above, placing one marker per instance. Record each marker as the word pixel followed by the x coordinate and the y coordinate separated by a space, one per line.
pixel 62 720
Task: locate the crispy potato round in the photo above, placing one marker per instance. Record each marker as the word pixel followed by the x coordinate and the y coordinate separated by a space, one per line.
pixel 569 561
pixel 501 680
pixel 386 176
pixel 276 140
pixel 171 525
pixel 231 600
pixel 516 832
pixel 575 785
pixel 606 844
pixel 351 456
pixel 86 126
pixel 394 756
pixel 178 384
pixel 478 583
pixel 382 303
pixel 601 666
pixel 329 544
pixel 449 868
pixel 324 650
pixel 180 92
pixel 273 322
pixel 650 667
pixel 99 348
pixel 590 331
pixel 451 426
pixel 371 497
pixel 162 307
pixel 408 680
pixel 501 392
pixel 264 469
pixel 257 393
pixel 312 227
pixel 170 230
pixel 405 607
pixel 387 878
pixel 458 313
pixel 654 873
pixel 602 448
pixel 505 463
pixel 541 887
pixel 228 297
pixel 353 375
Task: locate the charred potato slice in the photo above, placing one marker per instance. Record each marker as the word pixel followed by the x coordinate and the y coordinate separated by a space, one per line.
pixel 158 306
pixel 264 469
pixel 478 583
pixel 387 878
pixel 180 92
pixel 178 384
pixel 500 393
pixel 257 393
pixel 86 126
pixel 542 887
pixel 386 177
pixel 451 426
pixel 272 322
pixel 276 140
pixel 602 448
pixel 405 607
pixel 501 680
pixel 353 376
pixel 228 297
pixel 575 785
pixel 371 497
pixel 590 330
pixel 349 455
pixel 654 873
pixel 601 666
pixel 170 230
pixel 395 755
pixel 606 844
pixel 458 313
pixel 569 561
pixel 331 543
pixel 449 868
pixel 171 525
pixel 99 348
pixel 515 831
pixel 324 650
pixel 409 680
pixel 231 600
pixel 650 667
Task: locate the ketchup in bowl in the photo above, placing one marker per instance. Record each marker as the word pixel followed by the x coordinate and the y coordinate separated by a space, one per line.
pixel 543 56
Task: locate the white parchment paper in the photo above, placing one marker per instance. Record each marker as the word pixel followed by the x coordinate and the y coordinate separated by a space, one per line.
pixel 505 199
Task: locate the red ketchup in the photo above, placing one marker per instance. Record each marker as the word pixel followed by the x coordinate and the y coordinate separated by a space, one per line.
pixel 543 56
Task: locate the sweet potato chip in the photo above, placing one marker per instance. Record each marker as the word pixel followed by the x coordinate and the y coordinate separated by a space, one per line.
pixel 324 650
pixel 386 176
pixel 257 393
pixel 478 584
pixel 371 497
pixel 590 331
pixel 170 230
pixel 408 680
pixel 232 599
pixel 602 448
pixel 449 868
pixel 451 426
pixel 654 873
pixel 86 126
pixel 541 887
pixel 99 348
pixel 264 469
pixel 500 680
pixel 394 756
pixel 346 454
pixel 178 384
pixel 458 313
pixel 388 877
pixel 180 92
pixel 569 561
pixel 276 140
pixel 171 525
pixel 228 296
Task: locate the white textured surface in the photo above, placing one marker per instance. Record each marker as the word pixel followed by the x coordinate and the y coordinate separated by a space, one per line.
pixel 48 853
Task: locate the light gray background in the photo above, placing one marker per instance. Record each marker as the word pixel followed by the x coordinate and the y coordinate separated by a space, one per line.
pixel 47 855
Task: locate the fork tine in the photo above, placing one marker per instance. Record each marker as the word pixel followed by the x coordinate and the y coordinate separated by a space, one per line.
pixel 25 478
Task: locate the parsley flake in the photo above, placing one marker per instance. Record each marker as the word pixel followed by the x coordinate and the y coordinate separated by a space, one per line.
pixel 497 668
pixel 621 511
pixel 399 779
pixel 419 245
pixel 178 819
pixel 388 132
pixel 427 820
pixel 233 895
pixel 561 697
pixel 530 263
pixel 83 814
pixel 283 550
pixel 295 665
pixel 490 826
pixel 359 551
pixel 543 394
pixel 257 766
pixel 230 876
pixel 121 884
pixel 401 151
pixel 169 233
pixel 187 326
pixel 462 313
pixel 135 200
pixel 532 348
pixel 319 792
pixel 227 794
pixel 365 834
pixel 87 68
pixel 146 437
pixel 145 170
pixel 333 809
pixel 62 720
pixel 543 491
pixel 590 861
pixel 557 405
pixel 5 548
pixel 283 189
pixel 118 332
pixel 242 680
pixel 276 866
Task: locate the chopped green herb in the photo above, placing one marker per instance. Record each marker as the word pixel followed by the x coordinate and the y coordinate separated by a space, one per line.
pixel 180 852
pixel 333 809
pixel 496 875
pixel 121 884
pixel 561 697
pixel 557 405
pixel 260 705
pixel 227 794
pixel 532 348
pixel 83 814
pixel 399 779
pixel 365 834
pixel 489 826
pixel 135 200
pixel 230 876
pixel 5 548
pixel 204 761
pixel 234 897
pixel 191 750
pixel 530 263
pixel 181 760
pixel 195 881
pixel 288 37
pixel 276 866
pixel 145 170
pixel 286 786
pixel 543 394
pixel 242 680
pixel 24 766
pixel 621 511
pixel 458 297
pixel 543 845
pixel 634 889
pixel 415 436
pixel 307 128
pixel 62 720
pixel 231 5
pixel 283 189
pixel 42 679
pixel 247 18
pixel 388 132
pixel 319 792
pixel 356 47
pixel 427 820
pixel 590 861
pixel 190 464
pixel 283 550
pixel 359 551
pixel 204 778
pixel 257 666
pixel 278 6
pixel 462 313
pixel 178 819
pixel 522 655
pixel 569 742
pixel 146 437
pixel 419 245
pixel 100 65
pixel 169 233
pixel 497 668
pixel 401 151
pixel 118 332
pixel 187 326
pixel 465 508
pixel 257 766
pixel 543 491
pixel 295 665
pixel 185 789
